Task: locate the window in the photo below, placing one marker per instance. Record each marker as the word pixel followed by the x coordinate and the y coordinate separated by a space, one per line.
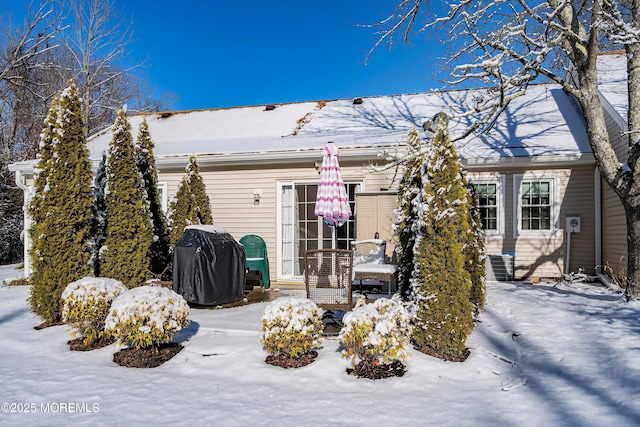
pixel 488 203
pixel 535 205
pixel 162 194
pixel 489 189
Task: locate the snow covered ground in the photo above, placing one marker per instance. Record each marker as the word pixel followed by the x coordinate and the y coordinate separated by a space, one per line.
pixel 541 356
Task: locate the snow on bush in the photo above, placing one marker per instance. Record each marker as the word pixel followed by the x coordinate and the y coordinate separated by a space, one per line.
pixel 375 333
pixel 147 316
pixel 86 303
pixel 291 327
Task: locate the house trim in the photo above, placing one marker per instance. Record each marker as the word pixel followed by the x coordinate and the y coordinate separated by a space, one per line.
pixel 518 232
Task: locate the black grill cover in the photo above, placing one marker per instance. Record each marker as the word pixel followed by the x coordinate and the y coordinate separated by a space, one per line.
pixel 209 266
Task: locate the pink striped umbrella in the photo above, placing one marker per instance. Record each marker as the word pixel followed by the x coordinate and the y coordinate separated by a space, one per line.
pixel 332 202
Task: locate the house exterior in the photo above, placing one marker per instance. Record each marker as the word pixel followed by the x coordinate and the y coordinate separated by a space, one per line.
pixel 534 173
pixel 612 76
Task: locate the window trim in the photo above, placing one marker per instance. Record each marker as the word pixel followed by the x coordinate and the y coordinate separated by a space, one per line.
pixel 280 184
pixel 162 187
pixel 497 179
pixel 517 204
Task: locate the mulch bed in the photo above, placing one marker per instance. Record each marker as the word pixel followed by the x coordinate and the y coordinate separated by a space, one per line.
pixel 44 325
pixel 379 371
pixel 446 357
pixel 286 362
pixel 146 357
pixel 78 344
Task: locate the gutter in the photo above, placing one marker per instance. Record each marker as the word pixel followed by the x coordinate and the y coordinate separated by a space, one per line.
pixel 363 153
pixel 552 160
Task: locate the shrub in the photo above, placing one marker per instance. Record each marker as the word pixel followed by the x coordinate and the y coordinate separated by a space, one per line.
pixel 191 204
pixel 375 333
pixel 443 310
pixel 147 316
pixel 86 303
pixel 128 232
pixel 62 207
pixel 291 327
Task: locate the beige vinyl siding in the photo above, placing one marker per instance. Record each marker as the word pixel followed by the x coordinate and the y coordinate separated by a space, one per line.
pixel 616 130
pixel 230 191
pixel 614 225
pixel 614 232
pixel 543 255
pixel 375 214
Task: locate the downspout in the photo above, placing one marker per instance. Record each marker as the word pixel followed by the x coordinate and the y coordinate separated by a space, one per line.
pixel 21 181
pixel 598 214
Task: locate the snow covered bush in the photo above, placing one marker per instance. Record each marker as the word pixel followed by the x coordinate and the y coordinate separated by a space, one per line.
pixel 61 209
pixel 291 327
pixel 374 333
pixel 147 316
pixel 441 286
pixel 191 204
pixel 128 233
pixel 86 303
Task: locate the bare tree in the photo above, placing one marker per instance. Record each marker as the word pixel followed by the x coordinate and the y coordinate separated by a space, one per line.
pixel 23 87
pixel 37 59
pixel 506 45
pixel 97 45
pixel 25 53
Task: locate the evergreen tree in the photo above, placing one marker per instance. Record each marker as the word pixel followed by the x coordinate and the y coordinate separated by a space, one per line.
pixel 475 254
pixel 191 204
pixel 443 311
pixel 405 228
pixel 125 253
pixel 63 215
pixel 41 293
pixel 37 209
pixel 159 249
pixel 100 187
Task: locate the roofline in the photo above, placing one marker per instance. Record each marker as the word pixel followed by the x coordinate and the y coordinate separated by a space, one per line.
pixel 552 160
pixel 363 154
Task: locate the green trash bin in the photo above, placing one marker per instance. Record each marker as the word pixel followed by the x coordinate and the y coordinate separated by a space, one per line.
pixel 255 249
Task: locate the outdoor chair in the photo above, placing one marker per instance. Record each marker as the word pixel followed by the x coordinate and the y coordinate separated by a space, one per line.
pixel 369 263
pixel 328 277
pixel 257 260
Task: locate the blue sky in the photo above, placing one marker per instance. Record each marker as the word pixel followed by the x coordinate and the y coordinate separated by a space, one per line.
pixel 229 53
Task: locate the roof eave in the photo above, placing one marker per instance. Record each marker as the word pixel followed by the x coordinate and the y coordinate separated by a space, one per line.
pixel 551 160
pixel 363 153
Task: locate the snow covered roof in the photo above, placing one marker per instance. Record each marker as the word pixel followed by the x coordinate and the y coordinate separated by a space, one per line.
pixel 541 126
pixel 612 81
pixel 543 122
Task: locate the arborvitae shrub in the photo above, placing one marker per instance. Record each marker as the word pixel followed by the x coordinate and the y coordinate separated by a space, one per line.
pixel 475 256
pixel 405 227
pixel 64 220
pixel 159 249
pixel 86 303
pixel 191 203
pixel 376 333
pixel 100 207
pixel 443 311
pixel 125 252
pixel 291 327
pixel 146 317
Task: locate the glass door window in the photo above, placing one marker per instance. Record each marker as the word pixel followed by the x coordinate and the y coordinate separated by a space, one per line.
pixel 302 230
